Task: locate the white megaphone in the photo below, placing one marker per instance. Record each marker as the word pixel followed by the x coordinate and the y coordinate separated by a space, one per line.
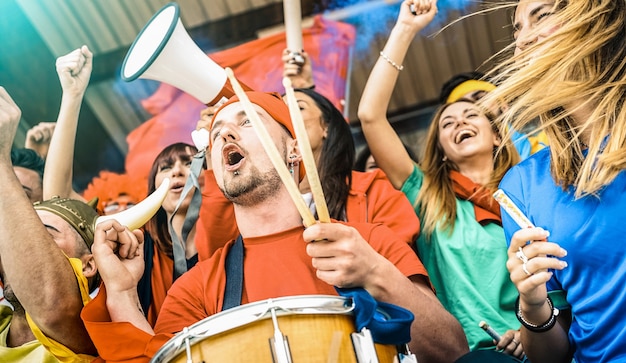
pixel 164 51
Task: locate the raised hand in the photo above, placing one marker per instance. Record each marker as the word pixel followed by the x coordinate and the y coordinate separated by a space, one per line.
pixel 207 114
pixel 74 70
pixel 300 74
pixel 10 116
pixel 118 253
pixel 417 14
pixel 38 138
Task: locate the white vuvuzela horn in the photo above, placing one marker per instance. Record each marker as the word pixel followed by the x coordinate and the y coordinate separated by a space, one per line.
pixel 135 217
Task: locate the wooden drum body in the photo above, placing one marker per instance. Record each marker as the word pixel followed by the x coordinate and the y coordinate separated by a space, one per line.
pixel 308 328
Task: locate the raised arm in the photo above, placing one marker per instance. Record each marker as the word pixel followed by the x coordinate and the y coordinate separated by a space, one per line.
pixel 39 273
pixel 119 254
pixel 74 70
pixel 385 145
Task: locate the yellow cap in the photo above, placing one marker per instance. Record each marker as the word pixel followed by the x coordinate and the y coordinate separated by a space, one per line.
pixel 467 87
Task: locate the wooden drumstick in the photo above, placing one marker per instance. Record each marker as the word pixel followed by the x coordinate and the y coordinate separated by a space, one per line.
pixel 307 153
pixel 272 152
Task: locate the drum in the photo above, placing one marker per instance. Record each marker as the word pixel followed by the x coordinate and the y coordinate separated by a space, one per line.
pixel 308 328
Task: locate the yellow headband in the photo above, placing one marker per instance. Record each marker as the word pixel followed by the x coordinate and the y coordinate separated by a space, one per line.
pixel 467 87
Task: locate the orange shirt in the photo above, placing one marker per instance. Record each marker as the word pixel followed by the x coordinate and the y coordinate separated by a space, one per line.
pixel 274 266
pixel 371 199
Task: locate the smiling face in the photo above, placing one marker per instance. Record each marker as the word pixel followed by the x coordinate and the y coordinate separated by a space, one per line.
pixel 464 131
pixel 533 23
pixel 242 168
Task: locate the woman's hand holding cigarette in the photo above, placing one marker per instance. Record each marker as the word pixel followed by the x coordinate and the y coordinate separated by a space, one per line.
pixel 510 344
pixel 529 265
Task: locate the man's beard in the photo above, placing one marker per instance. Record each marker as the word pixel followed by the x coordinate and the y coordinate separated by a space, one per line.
pixel 253 188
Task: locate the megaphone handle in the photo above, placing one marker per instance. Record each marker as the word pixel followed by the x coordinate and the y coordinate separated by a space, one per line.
pixel 227 92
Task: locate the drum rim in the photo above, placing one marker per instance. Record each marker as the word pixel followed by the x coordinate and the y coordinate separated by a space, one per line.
pixel 286 305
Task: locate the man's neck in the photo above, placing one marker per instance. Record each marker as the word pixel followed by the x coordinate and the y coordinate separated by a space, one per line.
pixel 268 217
pixel 19 331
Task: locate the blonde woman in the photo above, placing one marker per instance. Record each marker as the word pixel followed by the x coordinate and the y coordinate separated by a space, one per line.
pixel 569 69
pixel 462 242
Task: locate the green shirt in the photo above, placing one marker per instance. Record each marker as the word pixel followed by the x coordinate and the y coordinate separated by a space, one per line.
pixel 467 267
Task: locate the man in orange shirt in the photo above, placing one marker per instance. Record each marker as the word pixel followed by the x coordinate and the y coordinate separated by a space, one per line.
pixel 281 257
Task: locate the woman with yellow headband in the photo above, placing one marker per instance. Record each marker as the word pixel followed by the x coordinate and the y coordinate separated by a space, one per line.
pixel 462 242
pixel 472 85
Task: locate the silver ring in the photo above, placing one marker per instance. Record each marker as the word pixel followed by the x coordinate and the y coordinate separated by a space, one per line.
pixel 526 269
pixel 520 254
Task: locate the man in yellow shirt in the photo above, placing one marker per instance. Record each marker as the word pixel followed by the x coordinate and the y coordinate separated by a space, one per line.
pixel 46 266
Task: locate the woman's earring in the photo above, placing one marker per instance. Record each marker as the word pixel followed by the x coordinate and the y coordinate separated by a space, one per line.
pixel 444 158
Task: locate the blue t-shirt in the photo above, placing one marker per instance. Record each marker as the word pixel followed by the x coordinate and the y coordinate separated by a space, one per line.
pixel 593 231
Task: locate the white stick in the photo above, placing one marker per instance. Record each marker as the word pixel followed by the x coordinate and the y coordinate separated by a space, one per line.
pixel 307 153
pixel 272 152
pixel 293 25
pixel 507 204
pixel 489 330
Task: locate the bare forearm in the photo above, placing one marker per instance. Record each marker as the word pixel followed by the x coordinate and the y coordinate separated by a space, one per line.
pixel 551 346
pixel 36 268
pixel 436 336
pixel 384 144
pixel 58 173
pixel 125 307
pixel 382 80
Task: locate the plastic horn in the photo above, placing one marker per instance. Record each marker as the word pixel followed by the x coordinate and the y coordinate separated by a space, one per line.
pixel 489 330
pixel 135 217
pixel 293 29
pixel 507 204
pixel 272 152
pixel 307 153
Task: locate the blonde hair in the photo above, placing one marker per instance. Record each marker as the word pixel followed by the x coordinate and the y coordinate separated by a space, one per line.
pixel 436 200
pixel 584 60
